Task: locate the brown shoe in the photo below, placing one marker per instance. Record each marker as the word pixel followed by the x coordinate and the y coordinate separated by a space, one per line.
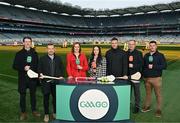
pixel 158 113
pixel 54 116
pixel 146 109
pixel 36 114
pixel 23 116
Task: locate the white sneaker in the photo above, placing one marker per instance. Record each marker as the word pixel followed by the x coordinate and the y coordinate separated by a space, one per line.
pixel 46 118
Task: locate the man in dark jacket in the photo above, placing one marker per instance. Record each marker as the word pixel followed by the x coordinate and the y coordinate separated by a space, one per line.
pixel 117 63
pixel 50 65
pixel 154 63
pixel 26 59
pixel 135 65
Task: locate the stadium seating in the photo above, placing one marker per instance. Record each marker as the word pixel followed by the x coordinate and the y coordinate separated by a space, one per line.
pixel 44 17
pixel 15 23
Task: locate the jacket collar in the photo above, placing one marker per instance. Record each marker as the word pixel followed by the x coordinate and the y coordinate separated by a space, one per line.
pixel 115 50
pixel 75 55
pixel 49 57
pixel 154 52
pixel 31 50
pixel 131 51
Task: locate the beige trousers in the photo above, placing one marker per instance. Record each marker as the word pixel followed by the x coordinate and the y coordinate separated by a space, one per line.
pixel 156 84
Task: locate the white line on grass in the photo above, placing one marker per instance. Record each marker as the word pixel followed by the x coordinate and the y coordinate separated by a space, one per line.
pixel 10 76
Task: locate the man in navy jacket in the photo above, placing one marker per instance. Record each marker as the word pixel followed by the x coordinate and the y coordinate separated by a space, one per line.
pixel 154 63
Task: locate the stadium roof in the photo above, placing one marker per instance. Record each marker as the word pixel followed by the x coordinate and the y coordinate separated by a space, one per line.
pixel 67 9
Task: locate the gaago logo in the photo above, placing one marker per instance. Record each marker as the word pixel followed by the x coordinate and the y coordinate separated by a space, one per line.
pixel 93 104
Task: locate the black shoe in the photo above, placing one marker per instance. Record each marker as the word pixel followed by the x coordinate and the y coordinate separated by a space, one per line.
pixel 136 110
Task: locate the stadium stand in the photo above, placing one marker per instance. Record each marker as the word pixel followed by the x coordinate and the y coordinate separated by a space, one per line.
pixel 17 22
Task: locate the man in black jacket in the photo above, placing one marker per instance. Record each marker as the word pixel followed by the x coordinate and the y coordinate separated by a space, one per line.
pixel 26 59
pixel 154 63
pixel 117 63
pixel 50 65
pixel 135 65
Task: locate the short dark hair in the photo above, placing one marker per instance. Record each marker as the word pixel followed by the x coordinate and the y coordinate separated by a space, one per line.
pixel 50 43
pixel 114 38
pixel 27 37
pixel 72 50
pixel 132 40
pixel 152 42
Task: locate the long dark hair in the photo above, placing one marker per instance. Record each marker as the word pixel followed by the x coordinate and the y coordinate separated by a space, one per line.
pixel 99 58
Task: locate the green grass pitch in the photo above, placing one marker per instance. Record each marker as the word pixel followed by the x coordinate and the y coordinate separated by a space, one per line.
pixel 9 98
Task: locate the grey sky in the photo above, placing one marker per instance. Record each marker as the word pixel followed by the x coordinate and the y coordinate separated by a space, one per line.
pixel 112 4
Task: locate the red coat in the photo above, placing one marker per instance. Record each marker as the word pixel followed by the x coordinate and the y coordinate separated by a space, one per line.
pixel 71 67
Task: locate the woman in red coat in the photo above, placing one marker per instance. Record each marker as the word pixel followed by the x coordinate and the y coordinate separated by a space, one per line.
pixel 77 64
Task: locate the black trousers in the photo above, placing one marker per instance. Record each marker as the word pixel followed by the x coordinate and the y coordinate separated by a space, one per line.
pixel 52 92
pixel 136 88
pixel 32 89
